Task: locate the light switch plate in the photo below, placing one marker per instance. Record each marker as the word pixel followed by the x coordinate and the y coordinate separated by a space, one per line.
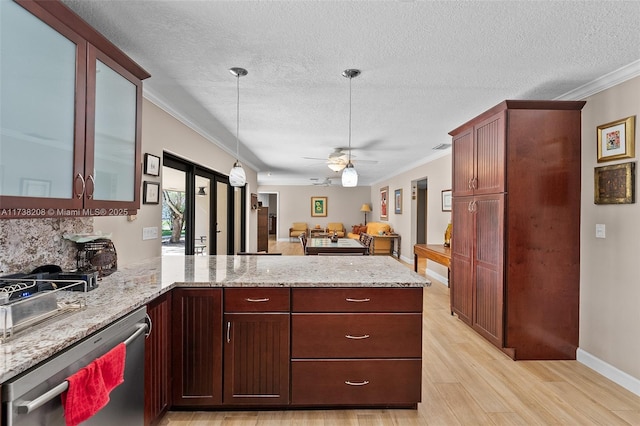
pixel 150 233
pixel 600 230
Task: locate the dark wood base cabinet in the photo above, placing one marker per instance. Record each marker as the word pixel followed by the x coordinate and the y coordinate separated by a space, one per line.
pixel 254 347
pixel 197 347
pixel 356 382
pixel 356 347
pixel 157 372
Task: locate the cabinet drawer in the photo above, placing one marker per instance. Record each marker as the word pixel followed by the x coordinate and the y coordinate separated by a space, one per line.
pixel 357 299
pixel 356 382
pixel 256 299
pixel 356 335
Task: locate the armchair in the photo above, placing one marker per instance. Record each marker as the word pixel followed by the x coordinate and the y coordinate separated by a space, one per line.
pixel 298 228
pixel 336 227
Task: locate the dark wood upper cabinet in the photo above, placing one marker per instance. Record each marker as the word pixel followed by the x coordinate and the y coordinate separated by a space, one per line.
pixel 516 245
pixel 71 138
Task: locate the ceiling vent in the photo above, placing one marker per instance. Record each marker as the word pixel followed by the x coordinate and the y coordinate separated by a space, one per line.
pixel 442 146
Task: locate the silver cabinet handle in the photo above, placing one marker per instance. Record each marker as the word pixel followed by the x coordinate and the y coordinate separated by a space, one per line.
pixel 81 193
pixel 350 383
pixel 474 182
pixel 248 299
pixel 93 183
pixel 358 300
pixel 364 336
pixel 228 331
pixel 470 184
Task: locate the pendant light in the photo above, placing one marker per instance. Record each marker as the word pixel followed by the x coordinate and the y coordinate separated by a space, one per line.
pixel 237 176
pixel 349 174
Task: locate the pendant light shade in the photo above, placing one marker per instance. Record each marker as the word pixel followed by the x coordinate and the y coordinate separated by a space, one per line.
pixel 349 174
pixel 237 176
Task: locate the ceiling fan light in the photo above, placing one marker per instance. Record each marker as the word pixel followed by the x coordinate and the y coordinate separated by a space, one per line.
pixel 336 167
pixel 349 176
pixel 237 176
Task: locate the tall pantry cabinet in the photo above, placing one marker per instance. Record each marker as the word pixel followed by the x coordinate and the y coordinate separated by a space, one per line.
pixel 515 249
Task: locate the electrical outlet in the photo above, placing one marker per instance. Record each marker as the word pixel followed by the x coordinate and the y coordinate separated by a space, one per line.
pixel 150 233
pixel 600 230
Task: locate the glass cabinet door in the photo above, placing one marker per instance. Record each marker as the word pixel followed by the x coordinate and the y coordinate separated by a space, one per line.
pixel 113 154
pixel 42 87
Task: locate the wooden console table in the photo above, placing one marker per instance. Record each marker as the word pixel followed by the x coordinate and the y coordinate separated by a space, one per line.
pixel 435 252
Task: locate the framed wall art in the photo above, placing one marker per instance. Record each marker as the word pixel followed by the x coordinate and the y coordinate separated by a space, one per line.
pixel 318 206
pixel 615 184
pixel 151 193
pixel 616 140
pixel 384 203
pixel 397 196
pixel 446 200
pixel 151 165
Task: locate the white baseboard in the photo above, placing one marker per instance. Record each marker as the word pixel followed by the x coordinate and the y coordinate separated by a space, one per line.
pixel 440 278
pixel 625 380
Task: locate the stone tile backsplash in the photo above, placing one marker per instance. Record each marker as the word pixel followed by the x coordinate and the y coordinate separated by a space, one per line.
pixel 28 243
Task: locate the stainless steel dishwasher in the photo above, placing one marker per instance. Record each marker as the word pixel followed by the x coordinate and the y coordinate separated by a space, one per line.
pixel 33 398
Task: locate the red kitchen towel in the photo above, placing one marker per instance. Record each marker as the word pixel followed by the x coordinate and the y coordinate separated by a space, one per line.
pixel 111 366
pixel 85 396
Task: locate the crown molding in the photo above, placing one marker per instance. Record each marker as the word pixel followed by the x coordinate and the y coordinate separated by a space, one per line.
pixel 160 103
pixel 602 83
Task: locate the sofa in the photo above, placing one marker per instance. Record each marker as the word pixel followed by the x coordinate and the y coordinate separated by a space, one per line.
pixel 298 228
pixel 337 228
pixel 380 245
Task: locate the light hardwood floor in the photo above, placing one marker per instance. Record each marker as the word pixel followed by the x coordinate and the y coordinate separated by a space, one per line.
pixel 465 381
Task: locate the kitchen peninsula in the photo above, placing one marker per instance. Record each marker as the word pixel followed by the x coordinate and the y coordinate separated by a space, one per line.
pixel 353 322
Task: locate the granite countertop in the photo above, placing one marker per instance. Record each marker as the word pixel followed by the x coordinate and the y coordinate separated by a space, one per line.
pixel 138 284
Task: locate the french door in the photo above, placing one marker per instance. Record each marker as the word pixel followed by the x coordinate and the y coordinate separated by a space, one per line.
pixel 212 210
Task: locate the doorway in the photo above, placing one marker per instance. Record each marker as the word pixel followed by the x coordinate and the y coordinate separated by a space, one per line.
pixel 202 213
pixel 419 189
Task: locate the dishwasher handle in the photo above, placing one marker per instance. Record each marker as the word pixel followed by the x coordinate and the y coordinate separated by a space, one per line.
pixel 28 406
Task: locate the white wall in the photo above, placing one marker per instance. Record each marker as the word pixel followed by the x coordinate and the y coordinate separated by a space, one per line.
pixel 162 132
pixel 343 205
pixel 609 267
pixel 438 175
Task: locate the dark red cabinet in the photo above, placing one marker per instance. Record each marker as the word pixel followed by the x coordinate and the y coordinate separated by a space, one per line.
pixel 197 346
pixel 157 372
pixel 515 252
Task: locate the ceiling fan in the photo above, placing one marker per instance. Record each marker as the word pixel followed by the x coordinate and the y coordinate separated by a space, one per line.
pixel 325 182
pixel 338 159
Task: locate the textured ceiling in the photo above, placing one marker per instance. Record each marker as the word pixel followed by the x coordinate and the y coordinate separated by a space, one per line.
pixel 426 68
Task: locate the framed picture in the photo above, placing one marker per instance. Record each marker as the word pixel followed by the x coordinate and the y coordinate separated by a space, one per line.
pixel 384 203
pixel 446 200
pixel 151 193
pixel 398 201
pixel 151 165
pixel 616 140
pixel 318 206
pixel 615 184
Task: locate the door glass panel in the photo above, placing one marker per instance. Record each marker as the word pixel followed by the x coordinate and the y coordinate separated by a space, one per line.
pixel 37 106
pixel 202 217
pixel 222 218
pixel 173 209
pixel 115 136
